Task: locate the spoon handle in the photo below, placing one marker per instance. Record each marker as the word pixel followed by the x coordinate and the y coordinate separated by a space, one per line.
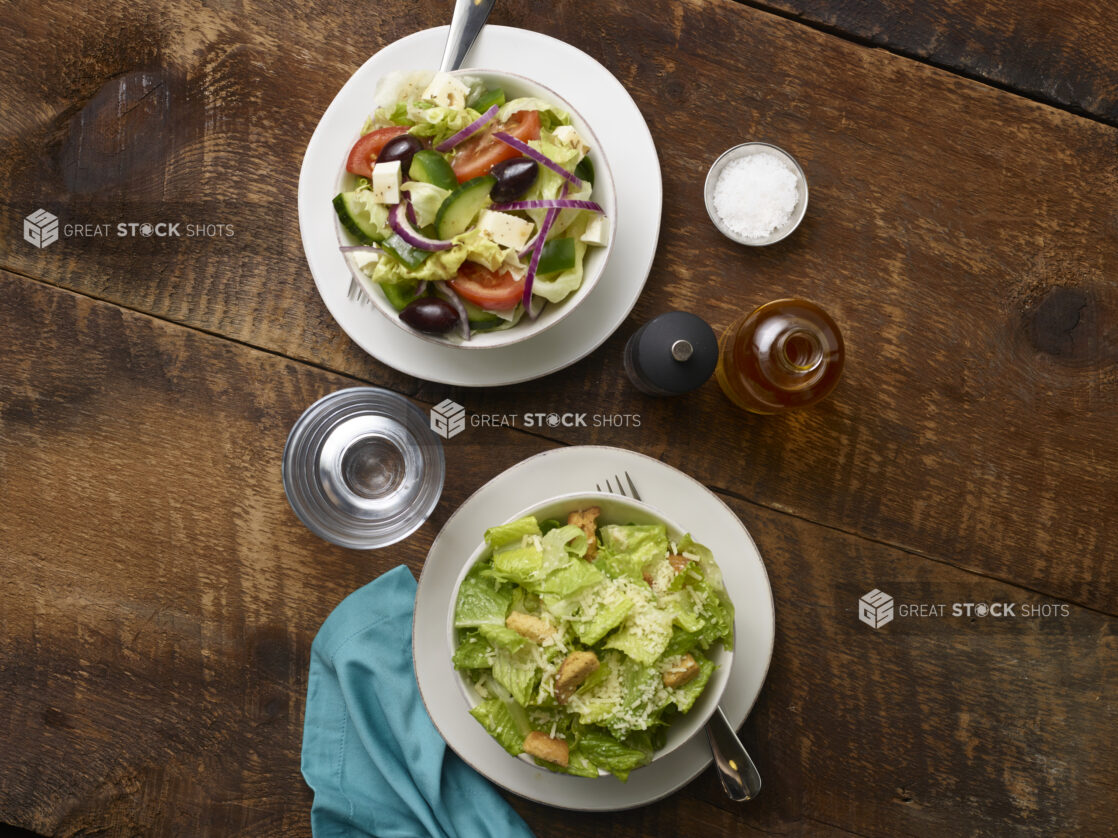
pixel 736 770
pixel 469 17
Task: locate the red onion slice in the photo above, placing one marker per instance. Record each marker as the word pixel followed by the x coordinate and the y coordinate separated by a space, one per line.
pixel 550 203
pixel 467 132
pixel 530 276
pixel 542 159
pixel 399 224
pixel 528 248
pixel 447 293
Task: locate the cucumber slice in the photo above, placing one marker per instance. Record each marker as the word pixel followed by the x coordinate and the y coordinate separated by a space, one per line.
pixel 431 167
pixel 557 255
pixel 355 219
pixel 488 99
pixel 413 257
pixel 585 170
pixel 480 319
pixel 399 294
pixel 462 206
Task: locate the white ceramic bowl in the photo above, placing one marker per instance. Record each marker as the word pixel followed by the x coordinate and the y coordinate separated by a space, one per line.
pixel 615 510
pixel 594 262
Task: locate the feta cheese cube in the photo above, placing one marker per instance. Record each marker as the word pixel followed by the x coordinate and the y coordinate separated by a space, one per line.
pixel 446 91
pixel 597 231
pixel 361 258
pixel 568 136
pixel 385 183
pixel 506 230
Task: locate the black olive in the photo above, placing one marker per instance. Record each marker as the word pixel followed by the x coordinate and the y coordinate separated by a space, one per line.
pixel 430 314
pixel 402 148
pixel 514 178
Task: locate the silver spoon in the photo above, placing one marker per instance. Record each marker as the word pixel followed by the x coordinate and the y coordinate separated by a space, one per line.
pixel 739 775
pixel 469 17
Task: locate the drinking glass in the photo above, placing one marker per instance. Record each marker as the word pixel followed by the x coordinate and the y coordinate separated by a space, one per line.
pixel 362 468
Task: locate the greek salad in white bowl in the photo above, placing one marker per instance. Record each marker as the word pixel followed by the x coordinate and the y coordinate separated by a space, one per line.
pixel 475 208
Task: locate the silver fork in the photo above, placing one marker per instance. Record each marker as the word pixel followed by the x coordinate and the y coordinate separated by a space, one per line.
pixel 739 775
pixel 356 293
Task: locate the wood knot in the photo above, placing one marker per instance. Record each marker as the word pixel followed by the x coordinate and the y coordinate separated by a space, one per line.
pixel 675 91
pixel 1063 323
pixel 123 136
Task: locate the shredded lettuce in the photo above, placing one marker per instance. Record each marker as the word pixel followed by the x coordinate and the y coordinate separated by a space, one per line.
pixel 426 198
pixel 438 123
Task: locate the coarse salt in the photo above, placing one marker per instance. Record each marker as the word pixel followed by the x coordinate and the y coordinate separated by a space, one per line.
pixel 756 195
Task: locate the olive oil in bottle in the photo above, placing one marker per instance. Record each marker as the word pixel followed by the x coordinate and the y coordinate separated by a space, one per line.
pixel 785 354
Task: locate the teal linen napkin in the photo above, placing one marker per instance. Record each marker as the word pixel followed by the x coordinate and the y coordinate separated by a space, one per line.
pixel 372 756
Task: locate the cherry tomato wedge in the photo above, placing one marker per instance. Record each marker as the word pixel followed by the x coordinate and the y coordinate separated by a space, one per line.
pixel 480 153
pixel 365 150
pixel 486 289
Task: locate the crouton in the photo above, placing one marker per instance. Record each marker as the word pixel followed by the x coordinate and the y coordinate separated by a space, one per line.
pixel 531 627
pixel 678 563
pixel 681 673
pixel 587 519
pixel 575 669
pixel 543 746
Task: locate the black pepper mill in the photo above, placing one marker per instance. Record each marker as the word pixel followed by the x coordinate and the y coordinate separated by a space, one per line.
pixel 671 354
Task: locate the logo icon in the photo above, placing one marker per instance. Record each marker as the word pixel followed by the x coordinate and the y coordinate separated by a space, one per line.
pixel 40 228
pixel 448 418
pixel 875 609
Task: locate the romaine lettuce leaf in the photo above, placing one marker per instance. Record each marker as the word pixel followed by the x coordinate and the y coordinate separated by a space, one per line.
pixel 684 696
pixel 503 638
pixel 496 718
pixel 517 673
pixel 643 635
pixel 608 753
pixel 479 602
pixel 511 533
pixel 563 543
pixel 628 548
pixel 579 764
pixel 568 579
pixel 603 620
pixel 473 652
pixel 522 565
pixel 682 607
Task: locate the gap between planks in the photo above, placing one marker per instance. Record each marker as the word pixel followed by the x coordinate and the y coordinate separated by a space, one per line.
pixel 863 41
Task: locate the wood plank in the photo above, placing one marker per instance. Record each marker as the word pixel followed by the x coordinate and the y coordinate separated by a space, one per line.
pixel 158 600
pixel 950 232
pixel 1059 55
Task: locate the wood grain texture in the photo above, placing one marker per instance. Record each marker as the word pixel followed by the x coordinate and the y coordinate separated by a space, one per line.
pixel 1059 54
pixel 158 600
pixel 963 237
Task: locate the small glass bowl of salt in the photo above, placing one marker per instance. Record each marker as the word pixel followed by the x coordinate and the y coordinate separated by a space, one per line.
pixel 756 193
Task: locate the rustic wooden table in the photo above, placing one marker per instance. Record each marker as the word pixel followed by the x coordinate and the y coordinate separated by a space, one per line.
pixel 158 597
